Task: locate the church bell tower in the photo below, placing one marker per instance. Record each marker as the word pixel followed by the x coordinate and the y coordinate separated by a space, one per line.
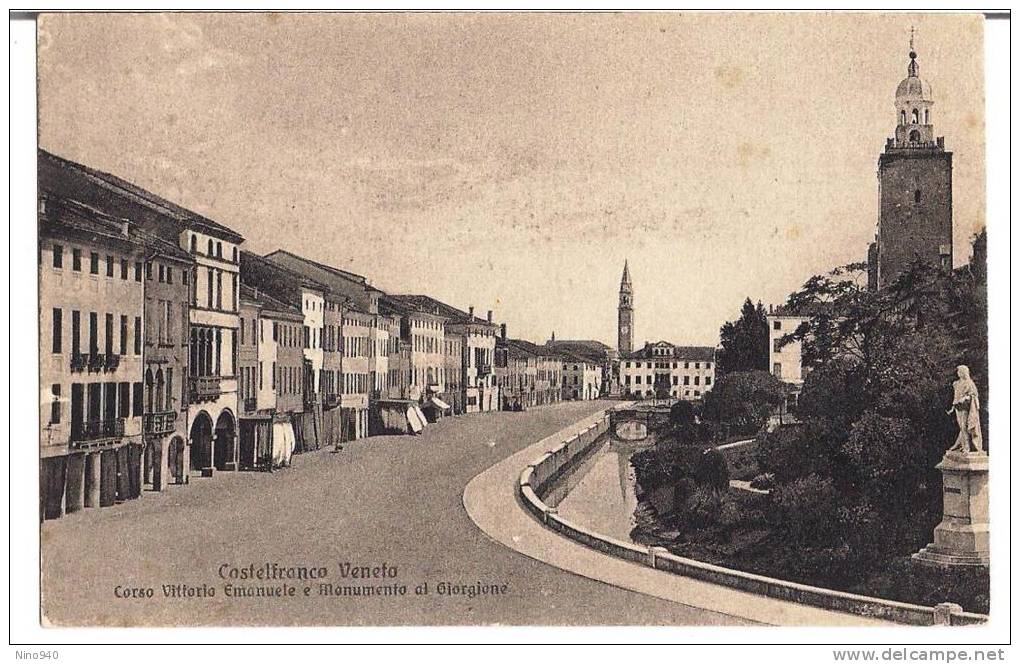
pixel 915 182
pixel 625 319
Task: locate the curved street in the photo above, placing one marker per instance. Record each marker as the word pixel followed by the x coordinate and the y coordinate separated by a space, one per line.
pixel 389 499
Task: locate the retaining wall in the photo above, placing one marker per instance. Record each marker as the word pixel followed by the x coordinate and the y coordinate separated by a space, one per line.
pixel 539 476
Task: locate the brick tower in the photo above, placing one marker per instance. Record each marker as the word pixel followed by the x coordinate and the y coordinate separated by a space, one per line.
pixel 915 182
pixel 625 320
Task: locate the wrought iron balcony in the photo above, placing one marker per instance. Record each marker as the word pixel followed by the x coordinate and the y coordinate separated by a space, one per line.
pixel 484 369
pixel 157 423
pixel 94 362
pixel 204 388
pixel 94 430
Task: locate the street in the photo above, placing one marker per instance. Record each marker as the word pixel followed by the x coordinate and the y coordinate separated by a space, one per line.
pixel 393 500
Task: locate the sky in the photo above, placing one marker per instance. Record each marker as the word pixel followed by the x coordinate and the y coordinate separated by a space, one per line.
pixel 513 161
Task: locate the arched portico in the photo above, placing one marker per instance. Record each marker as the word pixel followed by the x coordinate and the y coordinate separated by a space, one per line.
pixel 201 442
pixel 225 441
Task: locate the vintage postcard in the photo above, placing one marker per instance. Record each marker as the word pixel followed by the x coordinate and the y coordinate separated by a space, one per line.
pixel 513 318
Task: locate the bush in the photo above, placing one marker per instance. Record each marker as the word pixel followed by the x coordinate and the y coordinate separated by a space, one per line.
pixel 743 401
pixel 711 470
pixel 702 508
pixel 792 452
pixel 764 482
pixel 806 508
pixel 742 461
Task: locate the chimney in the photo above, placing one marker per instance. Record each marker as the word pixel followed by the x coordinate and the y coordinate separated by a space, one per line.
pixel 502 331
pixel 488 316
pixel 471 311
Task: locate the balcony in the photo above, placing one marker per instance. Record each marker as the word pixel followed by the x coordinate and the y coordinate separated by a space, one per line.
pixel 159 423
pixel 94 362
pixel 330 401
pixel 484 370
pixel 204 388
pixel 250 405
pixel 84 434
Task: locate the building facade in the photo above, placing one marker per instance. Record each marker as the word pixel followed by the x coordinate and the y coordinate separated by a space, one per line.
pixel 169 272
pixel 915 181
pixel 665 370
pixel 91 317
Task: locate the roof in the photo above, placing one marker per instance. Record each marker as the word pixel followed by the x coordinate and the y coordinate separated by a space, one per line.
pixel 695 353
pixel 63 214
pixel 338 281
pixel 268 302
pixel 280 282
pixel 594 351
pixel 66 176
pixel 428 304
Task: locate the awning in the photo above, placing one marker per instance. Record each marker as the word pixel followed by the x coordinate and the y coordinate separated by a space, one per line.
pixel 438 403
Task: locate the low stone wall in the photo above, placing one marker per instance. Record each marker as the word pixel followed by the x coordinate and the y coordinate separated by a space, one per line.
pixel 537 478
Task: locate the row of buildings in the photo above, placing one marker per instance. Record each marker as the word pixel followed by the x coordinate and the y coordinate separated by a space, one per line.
pixel 169 351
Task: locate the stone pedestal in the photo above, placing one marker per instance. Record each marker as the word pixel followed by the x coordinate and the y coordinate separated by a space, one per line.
pixel 962 537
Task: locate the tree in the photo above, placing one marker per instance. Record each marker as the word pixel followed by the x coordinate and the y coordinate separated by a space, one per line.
pixel 743 401
pixel 744 343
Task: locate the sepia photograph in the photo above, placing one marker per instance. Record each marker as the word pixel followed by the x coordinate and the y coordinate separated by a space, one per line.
pixel 414 318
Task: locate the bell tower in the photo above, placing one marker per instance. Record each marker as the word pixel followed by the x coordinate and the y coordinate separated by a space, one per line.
pixel 625 318
pixel 915 185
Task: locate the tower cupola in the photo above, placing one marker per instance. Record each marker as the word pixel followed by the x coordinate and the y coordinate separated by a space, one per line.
pixel 914 102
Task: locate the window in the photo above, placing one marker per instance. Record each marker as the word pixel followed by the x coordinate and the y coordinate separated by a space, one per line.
pixel 242 331
pixel 58 255
pixel 777 325
pixel 209 287
pixel 93 263
pixel 235 254
pixel 697 380
pixel 148 271
pixel 58 330
pixel 194 244
pixel 914 118
pixel 136 400
pixel 109 265
pixel 915 136
pixel 708 380
pixel 138 270
pixel 917 195
pixel 109 334
pixel 93 332
pixel 76 259
pixel 777 370
pixel 138 335
pixel 123 335
pixel 162 273
pixel 184 276
pixel 903 117
pixel 927 116
pixel 687 380
pixel 208 249
pixel 55 405
pixel 75 332
pixel 169 275
pixel 123 269
pixel 124 400
pixel 219 250
pixel 777 345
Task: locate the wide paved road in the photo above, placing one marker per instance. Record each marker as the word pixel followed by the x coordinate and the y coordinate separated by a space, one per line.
pixel 390 499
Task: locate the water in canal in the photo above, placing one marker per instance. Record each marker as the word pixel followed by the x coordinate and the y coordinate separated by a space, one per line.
pixel 599 493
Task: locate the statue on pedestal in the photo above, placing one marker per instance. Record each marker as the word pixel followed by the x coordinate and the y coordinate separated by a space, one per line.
pixel 967 408
pixel 961 539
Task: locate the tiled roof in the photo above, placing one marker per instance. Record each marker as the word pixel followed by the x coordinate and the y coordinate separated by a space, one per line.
pixel 268 302
pixel 695 353
pixel 338 281
pixel 430 305
pixel 65 175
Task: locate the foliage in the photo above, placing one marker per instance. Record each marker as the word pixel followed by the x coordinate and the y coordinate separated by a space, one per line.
pixel 711 470
pixel 806 508
pixel 744 343
pixel 743 401
pixel 764 482
pixel 702 507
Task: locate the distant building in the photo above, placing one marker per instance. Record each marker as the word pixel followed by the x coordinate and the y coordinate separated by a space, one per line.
pixel 596 352
pixel 785 359
pixel 915 181
pixel 663 369
pixel 581 378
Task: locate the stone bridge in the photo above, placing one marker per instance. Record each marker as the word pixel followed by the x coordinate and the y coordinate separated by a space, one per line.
pixel 638 422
